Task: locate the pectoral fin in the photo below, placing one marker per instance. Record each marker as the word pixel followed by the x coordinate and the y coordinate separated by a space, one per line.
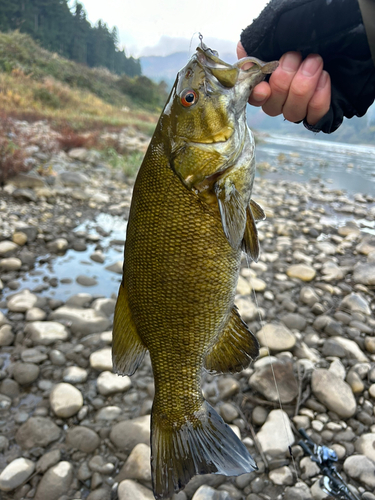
pixel 257 210
pixel 235 348
pixel 232 212
pixel 250 242
pixel 128 349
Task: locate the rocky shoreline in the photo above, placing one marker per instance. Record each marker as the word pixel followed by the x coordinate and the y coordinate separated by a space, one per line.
pixel 71 429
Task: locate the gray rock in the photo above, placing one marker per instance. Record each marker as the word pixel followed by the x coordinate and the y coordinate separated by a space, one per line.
pixel 365 445
pixel 300 491
pixel 86 280
pixel 73 179
pixel 349 347
pixel 355 303
pixel 48 460
pixel 6 336
pixel 25 373
pixel 362 468
pixel 137 466
pixel 5 402
pixel 9 387
pixel 33 356
pixel 276 337
pixel 130 490
pixel 46 332
pixel 110 383
pixel 334 393
pixel 294 321
pixel 364 274
pixel 65 400
pixel 22 301
pixel 281 476
pixel 308 296
pixel 79 300
pixel 57 358
pixel 97 257
pixel 228 412
pixel 82 438
pixel 24 194
pixel 55 482
pixel 205 492
pixel 228 387
pixel 263 381
pixel 83 321
pixel 4 444
pixel 127 434
pixel 14 474
pixel 276 435
pixel 37 431
pixel 59 245
pixel 117 267
pixel 104 306
pixel 108 413
pixel 100 494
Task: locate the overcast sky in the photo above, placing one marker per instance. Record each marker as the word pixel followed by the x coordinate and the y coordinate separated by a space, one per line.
pixel 161 27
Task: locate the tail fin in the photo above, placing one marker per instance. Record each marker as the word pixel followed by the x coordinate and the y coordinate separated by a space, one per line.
pixel 203 445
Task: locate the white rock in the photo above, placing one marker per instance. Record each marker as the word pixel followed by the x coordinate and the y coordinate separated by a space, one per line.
pixel 130 490
pixel 35 314
pixel 282 476
pixel 333 392
pixel 362 468
pixel 110 383
pixel 108 413
pixel 75 375
pixel 16 473
pixel 352 349
pixel 21 302
pixel 55 482
pixel 365 445
pixel 83 321
pixel 65 400
pixel 276 435
pixel 46 332
pixel 10 264
pixel 338 369
pixel 7 247
pixel 137 466
pixel 102 359
pixel 276 337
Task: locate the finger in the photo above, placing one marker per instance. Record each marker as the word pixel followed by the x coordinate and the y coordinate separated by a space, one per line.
pixel 241 52
pixel 260 94
pixel 280 82
pixel 321 100
pixel 302 88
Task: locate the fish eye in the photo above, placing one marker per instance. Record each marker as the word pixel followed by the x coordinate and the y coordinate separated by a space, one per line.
pixel 188 97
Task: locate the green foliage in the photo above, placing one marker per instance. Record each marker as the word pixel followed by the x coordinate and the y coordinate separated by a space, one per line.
pixel 48 98
pixel 68 33
pixel 128 163
pixel 143 90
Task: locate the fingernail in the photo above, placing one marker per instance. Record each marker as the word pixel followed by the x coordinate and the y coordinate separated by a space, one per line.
pixel 322 82
pixel 310 66
pixel 290 62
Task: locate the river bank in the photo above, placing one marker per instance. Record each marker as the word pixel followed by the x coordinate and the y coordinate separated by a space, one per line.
pixel 71 429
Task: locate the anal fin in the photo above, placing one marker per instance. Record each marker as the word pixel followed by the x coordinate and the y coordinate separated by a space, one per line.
pixel 250 242
pixel 128 349
pixel 257 210
pixel 235 348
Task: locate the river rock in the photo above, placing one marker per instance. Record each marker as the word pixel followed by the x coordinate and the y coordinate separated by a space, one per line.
pixel 86 280
pixel 33 356
pixel 75 375
pixel 102 359
pixel 110 383
pixel 117 267
pixel 294 321
pixel 365 445
pixel 350 348
pixel 300 491
pixel 65 400
pixel 25 373
pixel 137 466
pixel 83 321
pixel 276 435
pixel 46 332
pixel 97 257
pixel 6 336
pixel 37 431
pixel 59 245
pixel 108 413
pixel 7 248
pixel 127 434
pixel 362 468
pixel 355 303
pixel 131 490
pixel 82 438
pixel 21 302
pixel 263 381
pixel 79 300
pixel 16 473
pixel 48 460
pixel 301 271
pixel 104 306
pixel 364 274
pixel 35 314
pixel 73 179
pixel 333 392
pixel 10 264
pixel 276 337
pixel 20 238
pixel 308 296
pixel 55 482
pixel 281 476
pixel 247 309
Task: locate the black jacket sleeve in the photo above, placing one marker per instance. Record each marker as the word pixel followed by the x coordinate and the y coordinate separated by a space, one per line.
pixel 335 30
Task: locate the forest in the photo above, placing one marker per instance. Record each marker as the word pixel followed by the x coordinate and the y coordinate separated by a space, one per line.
pixel 68 32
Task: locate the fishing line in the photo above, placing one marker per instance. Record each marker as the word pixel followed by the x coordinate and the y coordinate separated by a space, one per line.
pixel 262 323
pixel 191 40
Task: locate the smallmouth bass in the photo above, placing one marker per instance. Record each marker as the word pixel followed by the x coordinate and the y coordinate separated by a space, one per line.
pixel 191 216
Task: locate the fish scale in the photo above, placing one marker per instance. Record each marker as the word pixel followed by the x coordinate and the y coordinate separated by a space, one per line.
pixel 189 219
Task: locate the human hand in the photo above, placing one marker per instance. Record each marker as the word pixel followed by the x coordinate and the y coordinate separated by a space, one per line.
pixel 297 89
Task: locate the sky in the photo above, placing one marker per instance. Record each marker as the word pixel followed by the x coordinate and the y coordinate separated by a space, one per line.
pixel 161 27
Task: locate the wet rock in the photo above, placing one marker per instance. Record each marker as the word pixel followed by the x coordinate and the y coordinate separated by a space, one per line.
pixel 276 434
pixel 83 321
pixel 48 460
pixel 55 482
pixel 75 375
pixel 131 490
pixel 362 468
pixel 301 271
pixel 86 280
pixel 37 431
pixel 65 400
pixel 82 438
pixel 14 474
pixel 276 337
pixel 110 383
pixel 58 246
pixel 46 332
pixel 263 381
pixel 127 434
pixel 97 257
pixel 334 393
pixel 102 359
pixel 354 302
pixel 137 465
pixel 25 373
pixel 117 267
pixel 22 301
pixel 365 445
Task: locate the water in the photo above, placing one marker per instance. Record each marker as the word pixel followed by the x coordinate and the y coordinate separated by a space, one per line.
pixel 343 166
